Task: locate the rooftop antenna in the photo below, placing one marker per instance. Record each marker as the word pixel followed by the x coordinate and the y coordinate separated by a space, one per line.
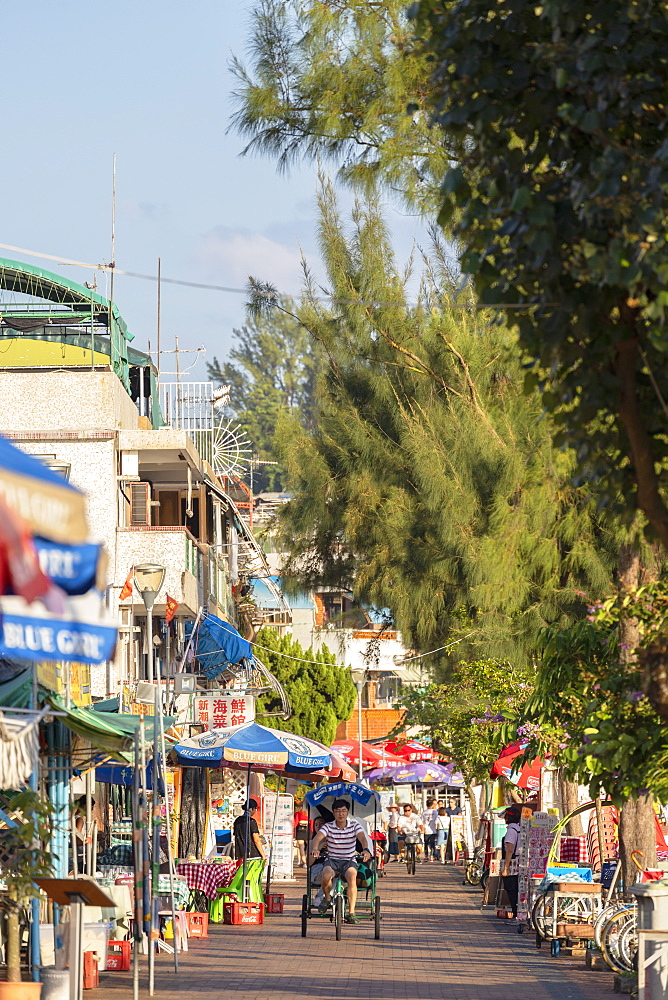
pixel 159 351
pixel 112 263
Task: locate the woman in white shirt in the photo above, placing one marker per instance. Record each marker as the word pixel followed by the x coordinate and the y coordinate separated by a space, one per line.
pixel 442 824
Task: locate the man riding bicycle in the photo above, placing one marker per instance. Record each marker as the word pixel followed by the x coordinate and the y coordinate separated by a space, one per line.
pixel 341 838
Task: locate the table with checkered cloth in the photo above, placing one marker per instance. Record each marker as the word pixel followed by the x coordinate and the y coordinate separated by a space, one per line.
pixel 574 850
pixel 208 876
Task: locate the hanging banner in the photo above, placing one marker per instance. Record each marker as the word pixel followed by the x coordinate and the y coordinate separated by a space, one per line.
pixel 73 568
pixel 30 632
pixel 219 712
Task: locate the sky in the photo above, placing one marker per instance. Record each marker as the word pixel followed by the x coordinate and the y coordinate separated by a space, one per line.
pixel 149 82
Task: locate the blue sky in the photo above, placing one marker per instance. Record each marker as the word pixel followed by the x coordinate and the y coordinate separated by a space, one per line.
pixel 150 82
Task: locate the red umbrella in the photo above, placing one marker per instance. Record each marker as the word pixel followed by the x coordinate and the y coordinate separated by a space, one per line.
pixel 411 750
pixel 372 756
pixel 527 777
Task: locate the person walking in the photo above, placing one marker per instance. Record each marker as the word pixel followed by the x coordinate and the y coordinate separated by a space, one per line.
pixel 428 825
pixel 442 825
pixel 510 843
pixel 392 827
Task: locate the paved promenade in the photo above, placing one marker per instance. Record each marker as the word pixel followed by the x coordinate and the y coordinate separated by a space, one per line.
pixel 435 945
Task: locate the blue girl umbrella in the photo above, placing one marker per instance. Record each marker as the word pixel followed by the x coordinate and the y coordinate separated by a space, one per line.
pixel 252 747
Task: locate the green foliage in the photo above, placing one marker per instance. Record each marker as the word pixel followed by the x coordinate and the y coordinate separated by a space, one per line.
pixel 321 694
pixel 464 718
pixel 271 370
pixel 332 79
pixel 557 113
pixel 20 844
pixel 590 714
pixel 429 483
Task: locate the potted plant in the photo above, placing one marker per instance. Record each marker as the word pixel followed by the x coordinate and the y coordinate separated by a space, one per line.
pixel 22 859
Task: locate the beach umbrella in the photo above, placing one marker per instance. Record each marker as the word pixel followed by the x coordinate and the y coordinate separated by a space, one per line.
pixel 253 746
pixel 421 773
pixel 372 756
pixel 528 776
pixel 407 749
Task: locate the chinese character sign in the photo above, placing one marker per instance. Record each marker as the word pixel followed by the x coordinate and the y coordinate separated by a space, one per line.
pixel 222 711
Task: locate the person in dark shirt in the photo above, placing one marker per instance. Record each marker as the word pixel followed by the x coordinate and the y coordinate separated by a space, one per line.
pixel 255 847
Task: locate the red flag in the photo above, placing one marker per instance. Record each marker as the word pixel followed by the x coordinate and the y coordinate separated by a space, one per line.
pixel 171 605
pixel 127 586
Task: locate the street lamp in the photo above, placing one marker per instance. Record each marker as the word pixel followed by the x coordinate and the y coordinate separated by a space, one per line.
pixel 359 680
pixel 149 578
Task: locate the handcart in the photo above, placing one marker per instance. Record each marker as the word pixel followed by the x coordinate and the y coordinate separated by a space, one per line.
pixel 364 807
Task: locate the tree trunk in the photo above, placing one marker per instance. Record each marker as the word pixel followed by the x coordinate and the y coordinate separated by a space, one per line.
pixel 569 802
pixel 637 832
pixel 475 818
pixel 636 824
pixel 193 812
pixel 13 947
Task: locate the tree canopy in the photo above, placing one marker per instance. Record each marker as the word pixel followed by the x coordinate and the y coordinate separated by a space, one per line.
pixel 429 483
pixel 331 79
pixel 556 114
pixel 271 369
pixel 321 694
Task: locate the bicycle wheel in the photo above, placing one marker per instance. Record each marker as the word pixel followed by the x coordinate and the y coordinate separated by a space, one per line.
pixel 628 944
pixel 606 913
pixel 338 916
pixel 410 858
pixel 376 918
pixel 611 939
pixel 542 916
pixel 473 874
pixel 304 915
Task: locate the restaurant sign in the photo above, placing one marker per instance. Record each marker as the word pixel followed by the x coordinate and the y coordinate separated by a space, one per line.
pixel 222 711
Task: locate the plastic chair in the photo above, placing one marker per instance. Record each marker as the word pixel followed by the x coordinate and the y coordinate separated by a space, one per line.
pixel 234 891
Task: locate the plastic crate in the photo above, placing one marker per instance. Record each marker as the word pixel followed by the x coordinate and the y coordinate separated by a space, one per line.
pixel 244 913
pixel 91 976
pixel 119 955
pixel 198 925
pixel 273 902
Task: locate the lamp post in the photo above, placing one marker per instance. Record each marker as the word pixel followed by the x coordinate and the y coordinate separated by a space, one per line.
pixel 149 578
pixel 359 680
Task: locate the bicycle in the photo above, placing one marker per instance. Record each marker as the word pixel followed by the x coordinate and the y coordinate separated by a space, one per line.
pixel 411 856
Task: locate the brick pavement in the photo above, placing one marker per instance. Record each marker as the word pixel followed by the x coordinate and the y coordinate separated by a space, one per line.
pixel 435 945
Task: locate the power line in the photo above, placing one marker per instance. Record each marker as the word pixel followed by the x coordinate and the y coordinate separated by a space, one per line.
pixel 231 289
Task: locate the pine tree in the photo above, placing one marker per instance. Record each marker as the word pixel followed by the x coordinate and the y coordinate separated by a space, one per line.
pixel 272 369
pixel 429 484
pixel 331 80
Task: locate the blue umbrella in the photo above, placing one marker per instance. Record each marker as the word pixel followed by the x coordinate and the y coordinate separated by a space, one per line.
pixel 254 746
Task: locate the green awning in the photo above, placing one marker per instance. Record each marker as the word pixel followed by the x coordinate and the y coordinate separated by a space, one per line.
pixel 98 728
pixel 15 693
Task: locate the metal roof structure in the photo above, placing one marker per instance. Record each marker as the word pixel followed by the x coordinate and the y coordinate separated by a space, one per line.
pixel 73 304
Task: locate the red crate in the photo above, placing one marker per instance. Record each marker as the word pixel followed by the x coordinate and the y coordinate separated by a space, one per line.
pixel 91 977
pixel 273 902
pixel 243 913
pixel 198 925
pixel 119 956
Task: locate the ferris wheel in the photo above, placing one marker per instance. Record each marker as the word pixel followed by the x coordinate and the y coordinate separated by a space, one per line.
pixel 231 450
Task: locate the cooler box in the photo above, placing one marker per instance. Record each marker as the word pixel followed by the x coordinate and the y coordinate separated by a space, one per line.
pixel 244 913
pixel 273 902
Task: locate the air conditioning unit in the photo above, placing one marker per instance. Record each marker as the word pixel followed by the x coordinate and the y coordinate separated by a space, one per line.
pixel 140 504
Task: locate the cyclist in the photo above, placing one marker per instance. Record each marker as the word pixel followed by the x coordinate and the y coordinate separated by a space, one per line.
pixel 341 839
pixel 410 826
